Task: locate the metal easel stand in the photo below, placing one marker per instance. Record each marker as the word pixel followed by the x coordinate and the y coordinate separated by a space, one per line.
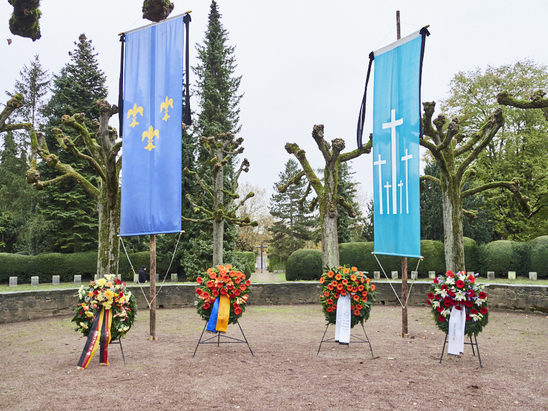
pixel 472 343
pixel 353 338
pixel 216 339
pixel 119 342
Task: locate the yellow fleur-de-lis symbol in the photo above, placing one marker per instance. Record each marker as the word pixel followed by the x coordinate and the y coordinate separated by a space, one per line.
pixel 150 134
pixel 167 103
pixel 133 112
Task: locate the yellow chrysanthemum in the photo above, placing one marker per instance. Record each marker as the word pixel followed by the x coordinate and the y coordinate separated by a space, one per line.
pixel 101 282
pixel 89 313
pixel 109 295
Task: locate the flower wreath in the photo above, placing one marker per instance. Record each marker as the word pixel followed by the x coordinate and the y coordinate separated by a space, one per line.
pixel 341 281
pixel 459 290
pixel 222 280
pixel 110 293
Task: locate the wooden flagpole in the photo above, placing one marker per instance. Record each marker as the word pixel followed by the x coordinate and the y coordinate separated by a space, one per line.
pixel 404 322
pixel 152 274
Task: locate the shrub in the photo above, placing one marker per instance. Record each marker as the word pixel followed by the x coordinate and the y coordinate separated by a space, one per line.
pixel 471 254
pixel 15 265
pixel 504 255
pixel 304 265
pixel 275 262
pixel 538 256
pixel 137 261
pixel 434 258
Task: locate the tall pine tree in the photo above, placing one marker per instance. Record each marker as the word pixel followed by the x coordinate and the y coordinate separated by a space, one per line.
pixel 76 89
pixel 293 222
pixel 217 91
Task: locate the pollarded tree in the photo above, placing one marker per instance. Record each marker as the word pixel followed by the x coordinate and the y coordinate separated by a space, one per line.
pixel 327 195
pixel 455 154
pixel 518 150
pixel 100 150
pixel 222 202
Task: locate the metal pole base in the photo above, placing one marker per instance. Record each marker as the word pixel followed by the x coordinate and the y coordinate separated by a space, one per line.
pixel 119 342
pixel 217 339
pixel 472 343
pixel 355 337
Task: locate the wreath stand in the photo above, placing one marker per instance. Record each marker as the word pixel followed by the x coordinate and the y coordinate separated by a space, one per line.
pixel 216 339
pixel 119 342
pixel 357 339
pixel 472 343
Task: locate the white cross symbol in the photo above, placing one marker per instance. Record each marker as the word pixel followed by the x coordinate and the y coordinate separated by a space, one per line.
pixel 379 163
pixel 387 186
pixel 406 158
pixel 392 124
pixel 400 185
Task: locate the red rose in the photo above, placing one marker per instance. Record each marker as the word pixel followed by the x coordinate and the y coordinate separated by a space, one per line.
pixel 473 311
pixel 198 291
pixel 444 287
pixel 357 313
pixel 439 309
pixel 471 278
pixel 482 295
pixel 237 292
pixel 483 310
pixel 436 280
pixel 449 273
pixel 223 291
pixel 237 310
pixel 199 280
pixel 471 293
pixel 468 303
pixel 329 309
pixel 441 318
pixel 459 283
pixel 430 296
pixel 206 306
pixel 248 283
pixel 451 293
pixel 242 287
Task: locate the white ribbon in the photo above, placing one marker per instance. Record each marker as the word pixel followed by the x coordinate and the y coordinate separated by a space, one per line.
pixel 457 323
pixel 343 321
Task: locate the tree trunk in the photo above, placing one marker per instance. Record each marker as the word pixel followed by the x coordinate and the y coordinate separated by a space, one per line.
pixel 452 224
pixel 218 222
pixel 328 217
pixel 109 228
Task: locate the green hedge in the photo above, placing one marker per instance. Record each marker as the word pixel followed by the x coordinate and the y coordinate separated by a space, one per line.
pixel 471 255
pixel 276 262
pixel 538 256
pixel 304 265
pixel 504 255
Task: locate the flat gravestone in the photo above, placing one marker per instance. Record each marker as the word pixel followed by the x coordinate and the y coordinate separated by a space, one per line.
pixel 490 275
pixel 431 274
pixel 511 275
pixel 34 280
pixel 77 279
pixel 414 275
pixel 394 275
pixel 533 275
pixel 157 277
pixel 174 277
pixel 377 275
pixel 55 279
pixel 13 281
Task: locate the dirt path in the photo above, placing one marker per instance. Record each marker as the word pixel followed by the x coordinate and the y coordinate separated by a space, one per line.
pixel 38 365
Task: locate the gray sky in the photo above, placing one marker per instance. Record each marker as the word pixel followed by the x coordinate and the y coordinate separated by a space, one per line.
pixel 303 62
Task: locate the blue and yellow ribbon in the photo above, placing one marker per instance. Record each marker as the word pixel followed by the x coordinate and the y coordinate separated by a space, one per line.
pixel 99 335
pixel 220 313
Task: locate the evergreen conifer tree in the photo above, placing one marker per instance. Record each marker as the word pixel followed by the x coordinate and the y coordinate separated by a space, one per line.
pixel 348 228
pixel 76 89
pixel 217 92
pixel 293 222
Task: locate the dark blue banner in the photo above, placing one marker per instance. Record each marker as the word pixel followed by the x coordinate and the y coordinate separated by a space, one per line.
pixel 152 129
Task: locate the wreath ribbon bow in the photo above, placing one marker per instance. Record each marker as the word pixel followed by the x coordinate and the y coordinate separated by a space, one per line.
pixel 220 313
pixel 99 335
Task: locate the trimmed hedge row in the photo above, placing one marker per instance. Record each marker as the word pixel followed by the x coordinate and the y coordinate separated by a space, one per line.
pixel 499 256
pixel 85 264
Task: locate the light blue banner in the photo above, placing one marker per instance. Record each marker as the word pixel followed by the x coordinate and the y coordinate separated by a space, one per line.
pixel 152 129
pixel 396 130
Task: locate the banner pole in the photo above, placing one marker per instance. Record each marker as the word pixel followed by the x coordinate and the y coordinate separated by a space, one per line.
pixel 404 322
pixel 152 274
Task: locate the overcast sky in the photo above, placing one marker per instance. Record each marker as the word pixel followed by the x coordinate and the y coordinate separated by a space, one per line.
pixel 302 62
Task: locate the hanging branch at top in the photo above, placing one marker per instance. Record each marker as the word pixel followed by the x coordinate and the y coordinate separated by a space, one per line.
pixel 100 150
pixel 24 20
pixel 221 150
pixel 157 10
pixel 326 192
pixel 455 154
pixel 537 101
